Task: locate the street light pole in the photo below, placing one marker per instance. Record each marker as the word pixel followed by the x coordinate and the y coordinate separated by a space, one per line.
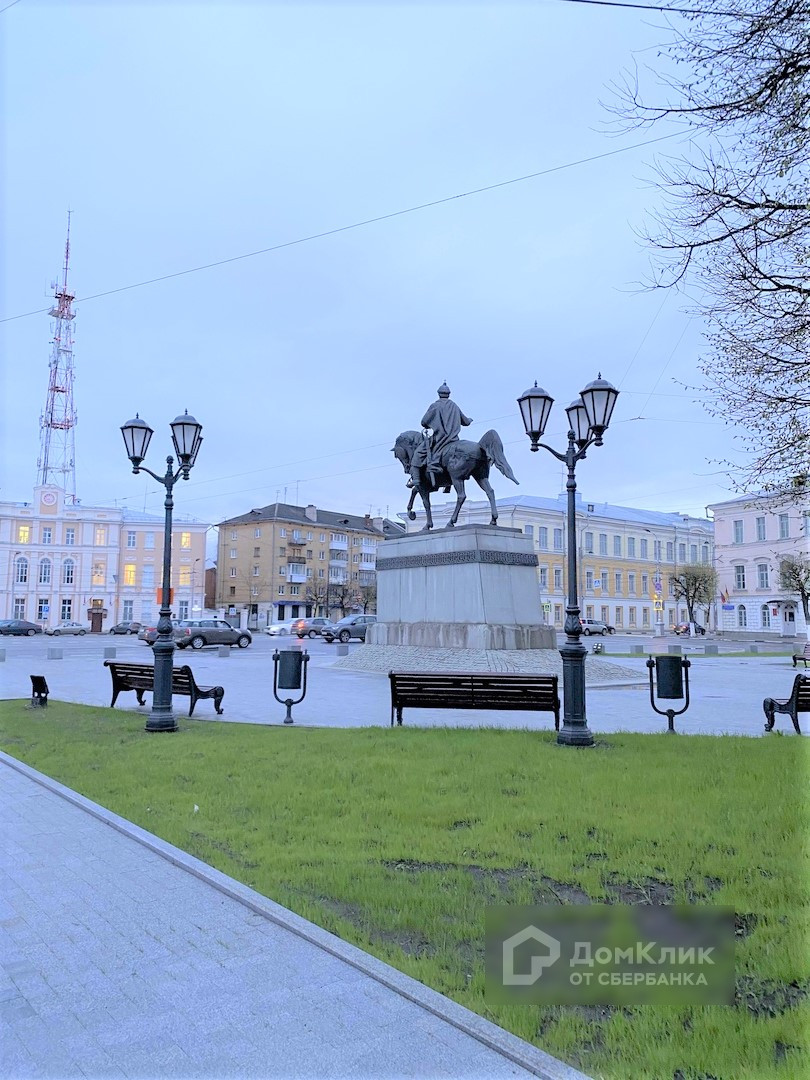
pixel 187 437
pixel 588 417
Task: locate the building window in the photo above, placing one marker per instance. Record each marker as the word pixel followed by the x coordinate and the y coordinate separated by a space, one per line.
pixel 231 590
pixel 762 575
pixel 296 534
pixel 185 576
pixel 99 575
pixel 589 542
pixel 255 571
pixel 742 618
pixel 45 572
pixel 19 607
pixel 631 584
pixel 693 553
pixel 68 568
pixel 127 610
pixel 542 538
pixel 282 532
pixel 670 551
pixel 321 573
pixel 617 546
pixel 557 577
pixel 43 608
pixel 182 609
pixel 760 528
pixel 704 555
pixel 233 571
pixel 603 543
pixel 739 577
pixel 131 539
pixel 100 536
pixel 618 616
pixel 257 553
pixel 185 540
pixel 589 579
pixel 321 554
pixel 529 530
pixel 643 548
pixel 617 584
pixel 149 541
pixel 295 590
pixel 543 577
pixel 604 577
pixel 631 616
pixel 70 537
pixel 657 550
pixel 765 616
pixel 21 572
pixel 681 553
pixel 129 573
pixel 282 571
pixel 631 547
pixel 558 545
pixel 558 614
pixel 784 526
pixel 233 553
pixel 47 534
pixel 645 616
pixel 23 534
pixel 66 611
pixel 589 611
pixel 257 534
pixel 148 577
pixel 738 532
pixel 281 590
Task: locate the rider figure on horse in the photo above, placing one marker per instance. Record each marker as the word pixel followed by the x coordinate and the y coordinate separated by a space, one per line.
pixel 445 419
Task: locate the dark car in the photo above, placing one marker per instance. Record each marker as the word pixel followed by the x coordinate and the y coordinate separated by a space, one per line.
pixel 683 628
pixel 19 628
pixel 309 627
pixel 126 628
pixel 353 626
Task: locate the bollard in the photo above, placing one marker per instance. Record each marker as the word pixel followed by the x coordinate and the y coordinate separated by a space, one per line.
pixel 753 648
pixel 54 654
pixel 2 655
pixel 224 650
pixel 710 650
pixel 674 650
pixel 342 650
pixel 637 650
pixel 109 653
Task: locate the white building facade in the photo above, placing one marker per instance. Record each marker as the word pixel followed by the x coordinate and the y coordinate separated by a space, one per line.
pixel 752 536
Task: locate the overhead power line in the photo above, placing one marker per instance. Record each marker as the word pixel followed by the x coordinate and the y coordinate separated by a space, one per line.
pixel 656 7
pixel 356 224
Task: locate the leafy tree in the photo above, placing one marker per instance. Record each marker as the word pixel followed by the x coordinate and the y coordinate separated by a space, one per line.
pixel 696 585
pixel 736 224
pixel 794 577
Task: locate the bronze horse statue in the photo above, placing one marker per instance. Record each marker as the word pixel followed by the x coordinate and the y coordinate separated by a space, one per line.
pixel 460 460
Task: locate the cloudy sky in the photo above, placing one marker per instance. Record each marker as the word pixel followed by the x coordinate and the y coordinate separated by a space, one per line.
pixel 183 135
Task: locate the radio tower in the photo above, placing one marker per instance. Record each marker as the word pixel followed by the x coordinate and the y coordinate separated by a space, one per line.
pixel 57 451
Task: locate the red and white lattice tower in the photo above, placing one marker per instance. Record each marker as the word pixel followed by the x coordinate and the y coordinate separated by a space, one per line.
pixel 57 451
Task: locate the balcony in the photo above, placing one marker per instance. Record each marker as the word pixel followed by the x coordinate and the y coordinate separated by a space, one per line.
pixel 297 572
pixel 338 545
pixel 367 562
pixel 338 577
pixel 338 560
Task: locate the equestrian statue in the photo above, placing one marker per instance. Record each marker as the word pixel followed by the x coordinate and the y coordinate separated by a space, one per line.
pixel 436 458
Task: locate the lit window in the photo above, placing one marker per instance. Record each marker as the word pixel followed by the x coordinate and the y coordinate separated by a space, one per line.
pixel 185 575
pixel 100 537
pixel 23 534
pixel 185 539
pixel 129 573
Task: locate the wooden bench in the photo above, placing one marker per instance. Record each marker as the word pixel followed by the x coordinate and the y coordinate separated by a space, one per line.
pixel 473 690
pixel 799 701
pixel 141 677
pixel 804 656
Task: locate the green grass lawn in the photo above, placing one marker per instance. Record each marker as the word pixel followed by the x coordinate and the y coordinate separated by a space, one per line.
pixel 397 840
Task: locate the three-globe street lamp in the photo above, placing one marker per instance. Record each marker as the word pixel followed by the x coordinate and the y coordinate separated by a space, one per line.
pixel 588 419
pixel 187 437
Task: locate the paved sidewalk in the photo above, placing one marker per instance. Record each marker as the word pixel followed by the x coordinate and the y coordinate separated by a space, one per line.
pixel 121 956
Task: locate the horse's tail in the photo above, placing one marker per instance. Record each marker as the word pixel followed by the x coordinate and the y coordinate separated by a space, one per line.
pixel 492 446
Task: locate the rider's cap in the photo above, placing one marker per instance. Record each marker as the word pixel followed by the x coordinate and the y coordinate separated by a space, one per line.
pixel 444 390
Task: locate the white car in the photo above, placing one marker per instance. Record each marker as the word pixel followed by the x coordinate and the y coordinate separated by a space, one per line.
pixel 66 628
pixel 279 628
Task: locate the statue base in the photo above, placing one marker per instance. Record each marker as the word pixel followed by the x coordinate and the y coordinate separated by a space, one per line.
pixel 472 587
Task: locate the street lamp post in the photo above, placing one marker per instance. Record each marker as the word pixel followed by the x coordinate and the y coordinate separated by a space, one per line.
pixel 588 417
pixel 187 437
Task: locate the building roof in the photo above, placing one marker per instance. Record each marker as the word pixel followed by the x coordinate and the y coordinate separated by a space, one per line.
pixel 297 515
pixel 599 509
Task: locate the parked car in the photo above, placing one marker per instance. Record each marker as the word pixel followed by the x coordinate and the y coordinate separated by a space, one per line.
pixel 683 628
pixel 594 626
pixel 309 627
pixel 149 633
pixel 200 632
pixel 19 628
pixel 126 628
pixel 353 626
pixel 280 628
pixel 66 628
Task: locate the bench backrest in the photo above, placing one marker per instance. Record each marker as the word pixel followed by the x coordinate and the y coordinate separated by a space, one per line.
pixel 805 651
pixel 142 676
pixel 480 685
pixel 801 691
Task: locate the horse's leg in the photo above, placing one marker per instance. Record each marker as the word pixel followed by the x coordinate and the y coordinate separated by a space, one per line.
pixel 486 487
pixel 423 487
pixel 414 492
pixel 461 495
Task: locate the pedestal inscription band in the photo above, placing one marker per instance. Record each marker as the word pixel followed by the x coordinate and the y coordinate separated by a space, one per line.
pixel 449 558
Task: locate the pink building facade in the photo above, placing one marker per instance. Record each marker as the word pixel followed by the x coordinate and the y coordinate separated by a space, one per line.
pixel 751 537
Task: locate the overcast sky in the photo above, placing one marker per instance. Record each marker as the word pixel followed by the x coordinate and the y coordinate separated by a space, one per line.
pixel 184 134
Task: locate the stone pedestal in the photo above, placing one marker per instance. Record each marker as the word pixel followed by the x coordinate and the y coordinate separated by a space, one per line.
pixel 472 587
